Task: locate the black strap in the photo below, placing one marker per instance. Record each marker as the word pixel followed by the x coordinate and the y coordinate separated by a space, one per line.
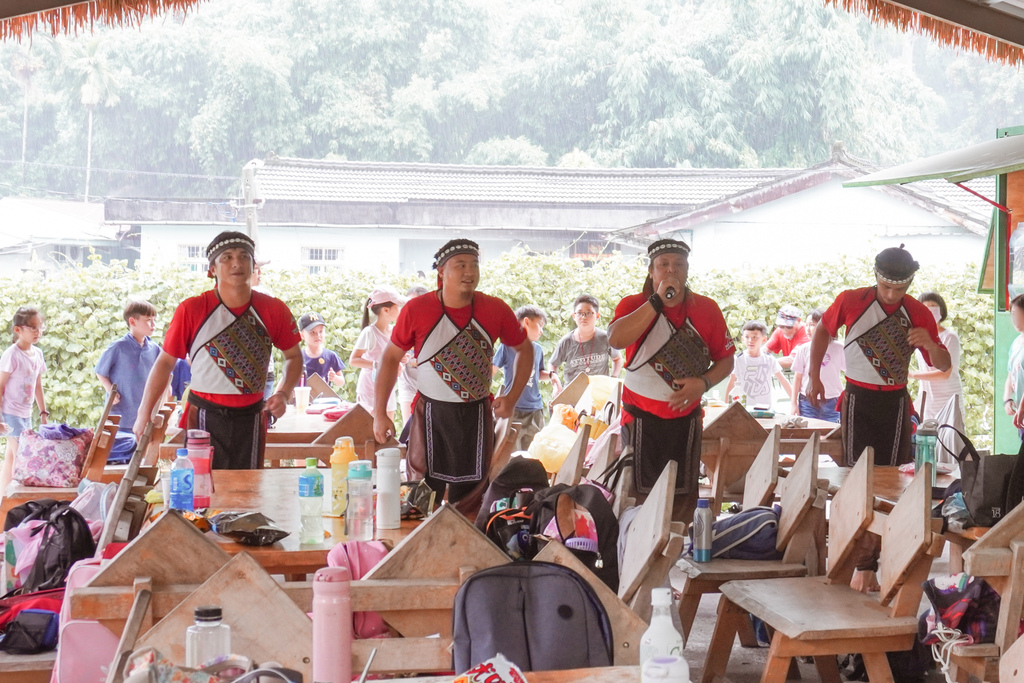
pixel 968 452
pixel 611 475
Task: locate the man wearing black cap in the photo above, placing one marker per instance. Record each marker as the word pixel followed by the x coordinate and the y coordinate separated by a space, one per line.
pixel 453 332
pixel 228 333
pixel 883 327
pixel 677 347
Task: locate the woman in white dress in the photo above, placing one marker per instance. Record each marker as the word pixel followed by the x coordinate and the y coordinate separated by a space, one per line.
pixel 940 385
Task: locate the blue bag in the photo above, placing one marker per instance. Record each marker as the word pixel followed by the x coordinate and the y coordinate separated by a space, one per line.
pixel 748 535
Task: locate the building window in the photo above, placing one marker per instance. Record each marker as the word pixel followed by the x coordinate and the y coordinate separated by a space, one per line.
pixel 319 259
pixel 193 256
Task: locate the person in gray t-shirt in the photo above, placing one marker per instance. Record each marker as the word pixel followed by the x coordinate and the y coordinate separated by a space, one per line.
pixel 586 348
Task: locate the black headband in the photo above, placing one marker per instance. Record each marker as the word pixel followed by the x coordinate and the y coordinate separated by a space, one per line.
pixel 454 248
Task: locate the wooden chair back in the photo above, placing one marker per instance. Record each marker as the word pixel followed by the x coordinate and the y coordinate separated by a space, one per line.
pixel 505 433
pixel 798 492
pixel 318 387
pixel 998 557
pixel 572 467
pixel 604 455
pixel 114 514
pixel 763 476
pixel 95 454
pixel 906 540
pixel 648 533
pixel 160 425
pixel 853 509
pixel 572 392
pixel 1011 664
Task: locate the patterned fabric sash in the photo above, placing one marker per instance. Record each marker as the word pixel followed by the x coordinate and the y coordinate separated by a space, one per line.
pixel 464 364
pixel 242 352
pixel 886 347
pixel 684 355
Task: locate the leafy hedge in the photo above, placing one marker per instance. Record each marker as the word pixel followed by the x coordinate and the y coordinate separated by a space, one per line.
pixel 83 307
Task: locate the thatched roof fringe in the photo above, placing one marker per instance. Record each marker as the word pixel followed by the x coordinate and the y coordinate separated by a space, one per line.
pixel 71 18
pixel 943 32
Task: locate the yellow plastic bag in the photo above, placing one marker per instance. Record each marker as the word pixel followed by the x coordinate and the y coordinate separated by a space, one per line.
pixel 602 388
pixel 551 445
pixel 596 426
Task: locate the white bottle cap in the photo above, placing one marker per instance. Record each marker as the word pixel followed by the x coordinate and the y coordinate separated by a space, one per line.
pixel 661 597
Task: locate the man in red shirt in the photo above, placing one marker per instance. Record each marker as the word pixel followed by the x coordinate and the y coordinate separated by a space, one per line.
pixel 677 347
pixel 789 333
pixel 883 327
pixel 453 332
pixel 228 334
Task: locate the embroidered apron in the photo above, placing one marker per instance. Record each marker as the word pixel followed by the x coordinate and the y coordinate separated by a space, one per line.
pixel 877 354
pixel 230 355
pixel 666 355
pixel 454 407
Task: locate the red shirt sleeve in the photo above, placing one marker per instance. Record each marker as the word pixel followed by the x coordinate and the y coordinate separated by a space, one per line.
pixel 284 331
pixel 835 315
pixel 510 331
pixel 403 335
pixel 628 305
pixel 717 335
pixel 186 320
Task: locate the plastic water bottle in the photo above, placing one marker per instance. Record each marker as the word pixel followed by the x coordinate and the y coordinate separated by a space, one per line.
pixel 702 531
pixel 661 639
pixel 332 626
pixel 927 440
pixel 359 512
pixel 344 452
pixel 311 504
pixel 389 483
pixel 209 637
pixel 182 482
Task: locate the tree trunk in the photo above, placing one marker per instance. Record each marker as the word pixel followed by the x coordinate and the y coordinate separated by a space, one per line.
pixel 88 157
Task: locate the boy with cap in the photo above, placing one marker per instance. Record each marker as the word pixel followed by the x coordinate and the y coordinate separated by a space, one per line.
pixel 228 332
pixel 453 331
pixel 317 360
pixel 789 333
pixel 677 347
pixel 883 327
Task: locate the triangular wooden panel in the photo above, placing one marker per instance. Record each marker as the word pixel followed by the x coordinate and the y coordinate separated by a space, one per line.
pixel 445 543
pixel 265 622
pixel 1011 665
pixel 734 423
pixel 648 533
pixel 171 550
pixel 572 467
pixel 1009 528
pixel 907 534
pixel 572 392
pixel 799 491
pixel 627 627
pixel 357 423
pixel 604 456
pixel 851 512
pixel 763 476
pixel 318 387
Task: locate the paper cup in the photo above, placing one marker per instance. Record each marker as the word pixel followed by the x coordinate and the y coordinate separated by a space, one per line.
pixel 301 399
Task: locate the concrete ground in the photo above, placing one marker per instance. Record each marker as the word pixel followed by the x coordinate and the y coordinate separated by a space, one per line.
pixel 746 664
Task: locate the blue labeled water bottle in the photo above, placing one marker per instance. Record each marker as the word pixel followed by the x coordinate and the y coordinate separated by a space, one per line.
pixel 702 520
pixel 182 482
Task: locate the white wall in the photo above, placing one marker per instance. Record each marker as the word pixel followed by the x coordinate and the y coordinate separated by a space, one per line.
pixel 821 223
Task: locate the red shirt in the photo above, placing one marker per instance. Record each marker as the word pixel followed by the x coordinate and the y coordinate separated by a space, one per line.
pixel 420 315
pixel 192 312
pixel 705 316
pixel 778 343
pixel 852 303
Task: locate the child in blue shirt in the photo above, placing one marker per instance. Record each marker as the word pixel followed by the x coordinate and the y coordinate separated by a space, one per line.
pixel 126 363
pixel 317 360
pixel 529 408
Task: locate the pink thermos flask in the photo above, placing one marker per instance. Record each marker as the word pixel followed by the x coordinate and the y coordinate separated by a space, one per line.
pixel 332 626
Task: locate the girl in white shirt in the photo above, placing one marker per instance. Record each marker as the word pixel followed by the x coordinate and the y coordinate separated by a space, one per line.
pixel 938 384
pixel 21 383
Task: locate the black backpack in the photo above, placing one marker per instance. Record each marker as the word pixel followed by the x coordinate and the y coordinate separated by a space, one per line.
pixel 606 562
pixel 519 474
pixel 539 615
pixel 33 509
pixel 66 539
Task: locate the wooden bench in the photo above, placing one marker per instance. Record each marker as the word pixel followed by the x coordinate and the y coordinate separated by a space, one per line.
pixel 822 616
pixel 997 557
pixel 803 510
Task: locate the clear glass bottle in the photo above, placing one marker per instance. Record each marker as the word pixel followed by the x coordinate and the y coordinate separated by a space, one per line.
pixel 359 512
pixel 209 637
pixel 311 504
pixel 661 639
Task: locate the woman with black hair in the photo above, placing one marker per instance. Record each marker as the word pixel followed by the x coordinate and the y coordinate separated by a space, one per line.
pixel 939 385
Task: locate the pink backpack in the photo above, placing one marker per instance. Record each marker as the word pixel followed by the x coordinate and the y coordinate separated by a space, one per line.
pixel 85 649
pixel 359 557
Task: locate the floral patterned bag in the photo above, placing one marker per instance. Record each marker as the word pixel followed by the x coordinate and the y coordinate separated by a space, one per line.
pixel 51 462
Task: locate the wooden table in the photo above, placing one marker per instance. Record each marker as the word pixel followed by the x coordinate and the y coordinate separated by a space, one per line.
pixel 295 427
pixel 608 674
pixel 823 427
pixel 275 493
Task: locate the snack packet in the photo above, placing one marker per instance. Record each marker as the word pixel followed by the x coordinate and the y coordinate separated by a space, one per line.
pixel 248 528
pixel 497 669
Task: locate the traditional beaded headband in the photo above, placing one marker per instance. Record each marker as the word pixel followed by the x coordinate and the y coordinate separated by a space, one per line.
pixel 226 244
pixel 667 246
pixel 890 281
pixel 459 248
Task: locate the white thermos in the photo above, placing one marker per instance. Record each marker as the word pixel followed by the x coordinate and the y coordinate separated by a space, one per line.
pixel 389 482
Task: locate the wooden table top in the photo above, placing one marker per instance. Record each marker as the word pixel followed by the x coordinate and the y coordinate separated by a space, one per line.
pixel 295 427
pixel 275 493
pixel 889 482
pixel 608 674
pixel 823 427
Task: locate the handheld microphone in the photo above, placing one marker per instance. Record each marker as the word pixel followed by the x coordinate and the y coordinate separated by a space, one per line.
pixel 670 293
